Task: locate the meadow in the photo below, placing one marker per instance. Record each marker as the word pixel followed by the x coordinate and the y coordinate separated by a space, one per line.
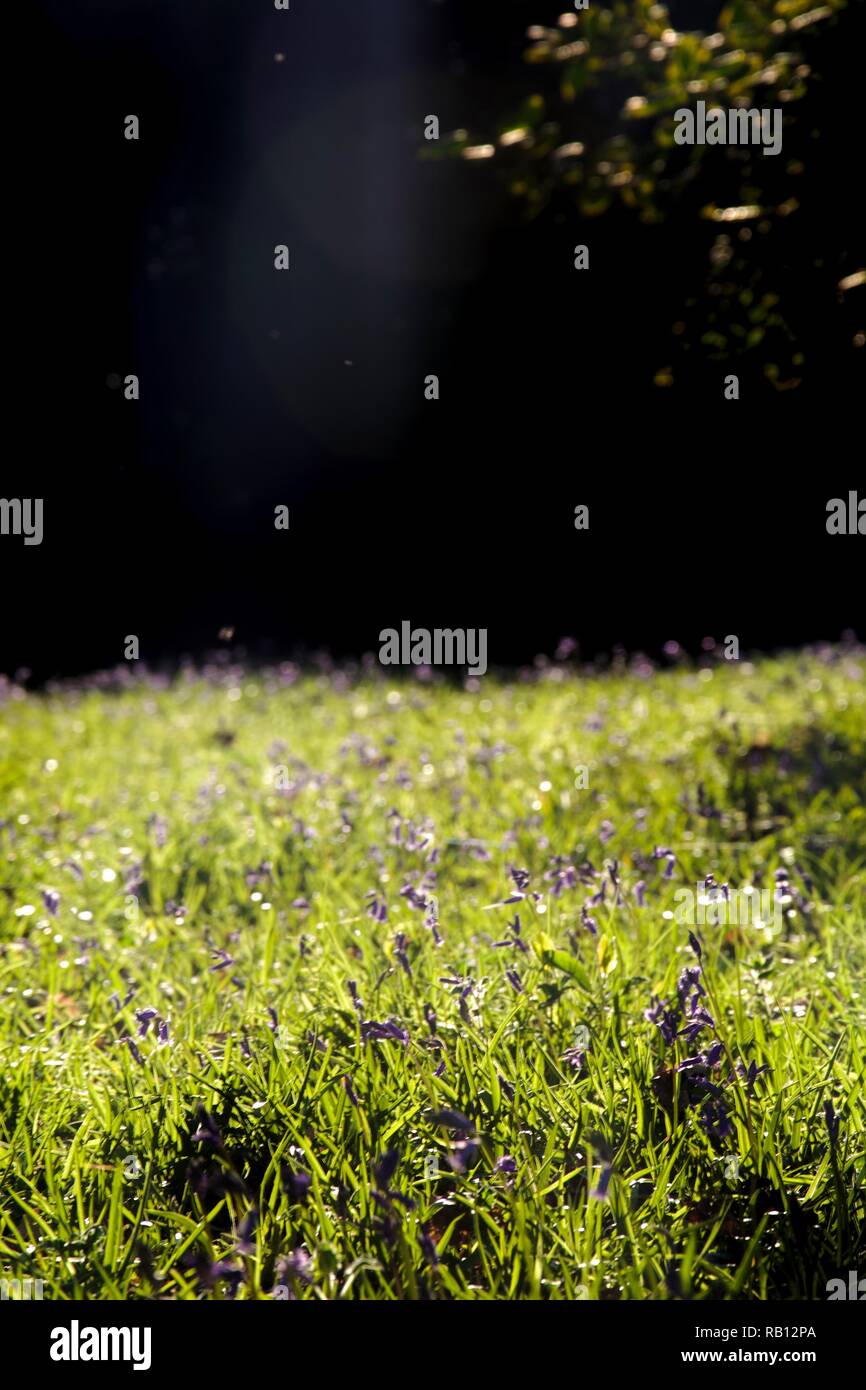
pixel 328 984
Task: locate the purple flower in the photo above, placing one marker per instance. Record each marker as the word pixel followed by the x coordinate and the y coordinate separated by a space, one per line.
pixel 463 1155
pixel 371 1031
pixel 690 979
pixel 515 981
pixel 695 944
pixel 223 959
pixel 664 1018
pixel 347 1087
pixel 563 876
pixel 831 1120
pixel 574 1056
pixel 377 907
pixel 640 893
pixel 51 899
pixel 452 1119
pixel 669 857
pixel 600 1192
pixel 208 1130
pixel 246 1230
pixel 162 1032
pixel 699 1020
pixel 298 1265
pixel 714 1120
pixel 295 1185
pixel 514 939
pixel 400 952
pixel 520 879
pixel 134 1050
pixel 159 826
pixel 751 1076
pixel 385 1168
pixel 145 1018
pixel 428 1248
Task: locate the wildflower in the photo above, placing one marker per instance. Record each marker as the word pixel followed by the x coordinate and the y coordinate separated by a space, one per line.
pixel 297 1265
pixel 515 981
pixel 751 1076
pixel 600 1192
pixel 690 979
pixel 452 1119
pixel 385 1169
pixel 208 1130
pixel 664 1018
pixel 296 1185
pixel 562 876
pixel 831 1120
pixel 246 1230
pixel 699 1020
pixel 428 1248
pixel 669 857
pixel 520 878
pixel 506 1086
pixel 159 827
pixel 376 907
pixel 371 1031
pixel 714 1120
pixel 400 952
pixel 574 1056
pixel 145 1018
pixel 515 938
pixel 51 899
pixel 463 1156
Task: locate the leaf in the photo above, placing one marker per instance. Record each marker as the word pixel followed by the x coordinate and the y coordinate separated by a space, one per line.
pixel 551 955
pixel 606 955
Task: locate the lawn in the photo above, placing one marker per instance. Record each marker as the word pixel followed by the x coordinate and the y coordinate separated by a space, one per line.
pixel 338 985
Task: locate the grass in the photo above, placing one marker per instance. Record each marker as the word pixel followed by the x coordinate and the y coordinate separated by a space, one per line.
pixel 222 880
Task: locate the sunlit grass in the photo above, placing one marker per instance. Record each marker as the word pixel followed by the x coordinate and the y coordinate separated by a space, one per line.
pixel 215 845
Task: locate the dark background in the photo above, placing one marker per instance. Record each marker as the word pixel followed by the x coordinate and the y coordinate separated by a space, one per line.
pixel 156 257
